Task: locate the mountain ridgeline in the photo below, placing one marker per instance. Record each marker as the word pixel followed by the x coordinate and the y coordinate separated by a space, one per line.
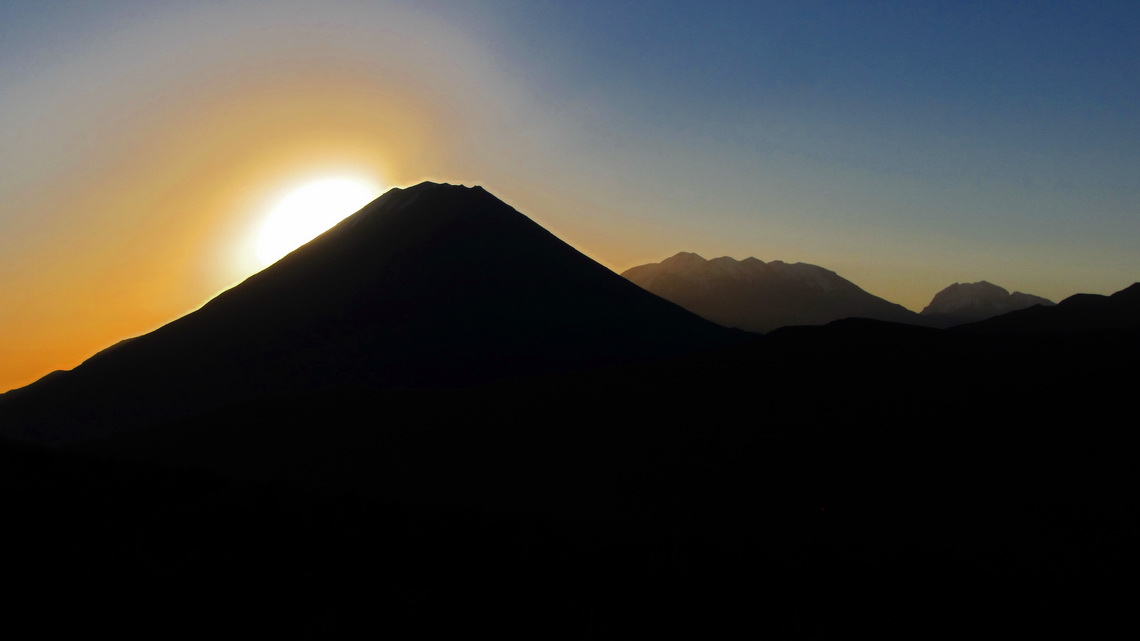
pixel 431 286
pixel 437 417
pixel 971 302
pixel 1075 315
pixel 760 297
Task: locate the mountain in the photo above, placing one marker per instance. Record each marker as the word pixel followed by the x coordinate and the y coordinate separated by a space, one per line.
pixel 352 454
pixel 433 286
pixel 760 297
pixel 970 302
pixel 816 483
pixel 1077 313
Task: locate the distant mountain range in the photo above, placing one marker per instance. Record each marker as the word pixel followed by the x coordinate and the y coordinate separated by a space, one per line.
pixel 760 297
pixel 972 302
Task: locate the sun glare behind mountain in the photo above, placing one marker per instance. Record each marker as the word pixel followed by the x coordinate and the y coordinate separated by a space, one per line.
pixel 307 211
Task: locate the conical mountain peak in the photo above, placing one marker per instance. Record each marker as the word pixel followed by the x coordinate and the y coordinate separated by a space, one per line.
pixel 432 285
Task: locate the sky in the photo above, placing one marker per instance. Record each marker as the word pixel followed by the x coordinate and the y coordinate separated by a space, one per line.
pixel 904 145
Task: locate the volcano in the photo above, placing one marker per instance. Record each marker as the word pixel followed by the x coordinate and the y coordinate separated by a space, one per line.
pixel 438 416
pixel 433 286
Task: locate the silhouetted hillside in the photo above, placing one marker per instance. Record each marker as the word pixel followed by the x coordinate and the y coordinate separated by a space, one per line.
pixel 816 483
pixel 435 285
pixel 1077 313
pixel 971 302
pixel 760 297
pixel 404 432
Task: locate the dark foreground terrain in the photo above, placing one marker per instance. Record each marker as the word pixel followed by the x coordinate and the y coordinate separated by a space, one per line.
pixel 438 420
pixel 815 483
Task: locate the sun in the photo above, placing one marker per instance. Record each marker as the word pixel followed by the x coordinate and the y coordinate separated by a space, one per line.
pixel 307 211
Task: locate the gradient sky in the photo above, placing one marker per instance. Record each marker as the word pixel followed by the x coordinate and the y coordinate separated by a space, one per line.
pixel 904 145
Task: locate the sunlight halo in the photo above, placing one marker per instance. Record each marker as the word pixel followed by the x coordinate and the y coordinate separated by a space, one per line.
pixel 307 211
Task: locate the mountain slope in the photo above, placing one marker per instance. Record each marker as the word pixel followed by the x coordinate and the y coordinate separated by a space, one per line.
pixel 760 297
pixel 1077 313
pixel 971 302
pixel 430 286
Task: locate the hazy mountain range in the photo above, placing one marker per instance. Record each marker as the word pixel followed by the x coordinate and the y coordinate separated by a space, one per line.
pixel 972 302
pixel 760 297
pixel 437 417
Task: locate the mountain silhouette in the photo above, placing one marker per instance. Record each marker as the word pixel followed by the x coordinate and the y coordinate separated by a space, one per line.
pixel 971 302
pixel 438 407
pixel 426 287
pixel 1077 313
pixel 756 296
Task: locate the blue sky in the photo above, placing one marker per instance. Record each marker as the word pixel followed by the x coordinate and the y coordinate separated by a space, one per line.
pixel 965 125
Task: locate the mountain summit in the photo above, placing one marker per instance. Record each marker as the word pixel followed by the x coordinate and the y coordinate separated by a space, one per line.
pixel 757 296
pixel 971 302
pixel 433 285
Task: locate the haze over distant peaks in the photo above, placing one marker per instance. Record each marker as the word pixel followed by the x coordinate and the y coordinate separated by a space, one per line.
pixel 757 296
pixel 971 302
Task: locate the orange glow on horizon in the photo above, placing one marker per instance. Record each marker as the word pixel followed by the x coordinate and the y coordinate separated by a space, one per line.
pixel 171 215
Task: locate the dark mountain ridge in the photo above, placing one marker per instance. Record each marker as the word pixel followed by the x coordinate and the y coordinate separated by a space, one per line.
pixel 430 286
pixel 820 481
pixel 1077 313
pixel 384 444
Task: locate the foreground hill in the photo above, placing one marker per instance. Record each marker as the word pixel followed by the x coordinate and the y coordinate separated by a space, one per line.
pixel 760 297
pixel 1075 314
pixel 556 479
pixel 430 286
pixel 971 302
pixel 818 483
